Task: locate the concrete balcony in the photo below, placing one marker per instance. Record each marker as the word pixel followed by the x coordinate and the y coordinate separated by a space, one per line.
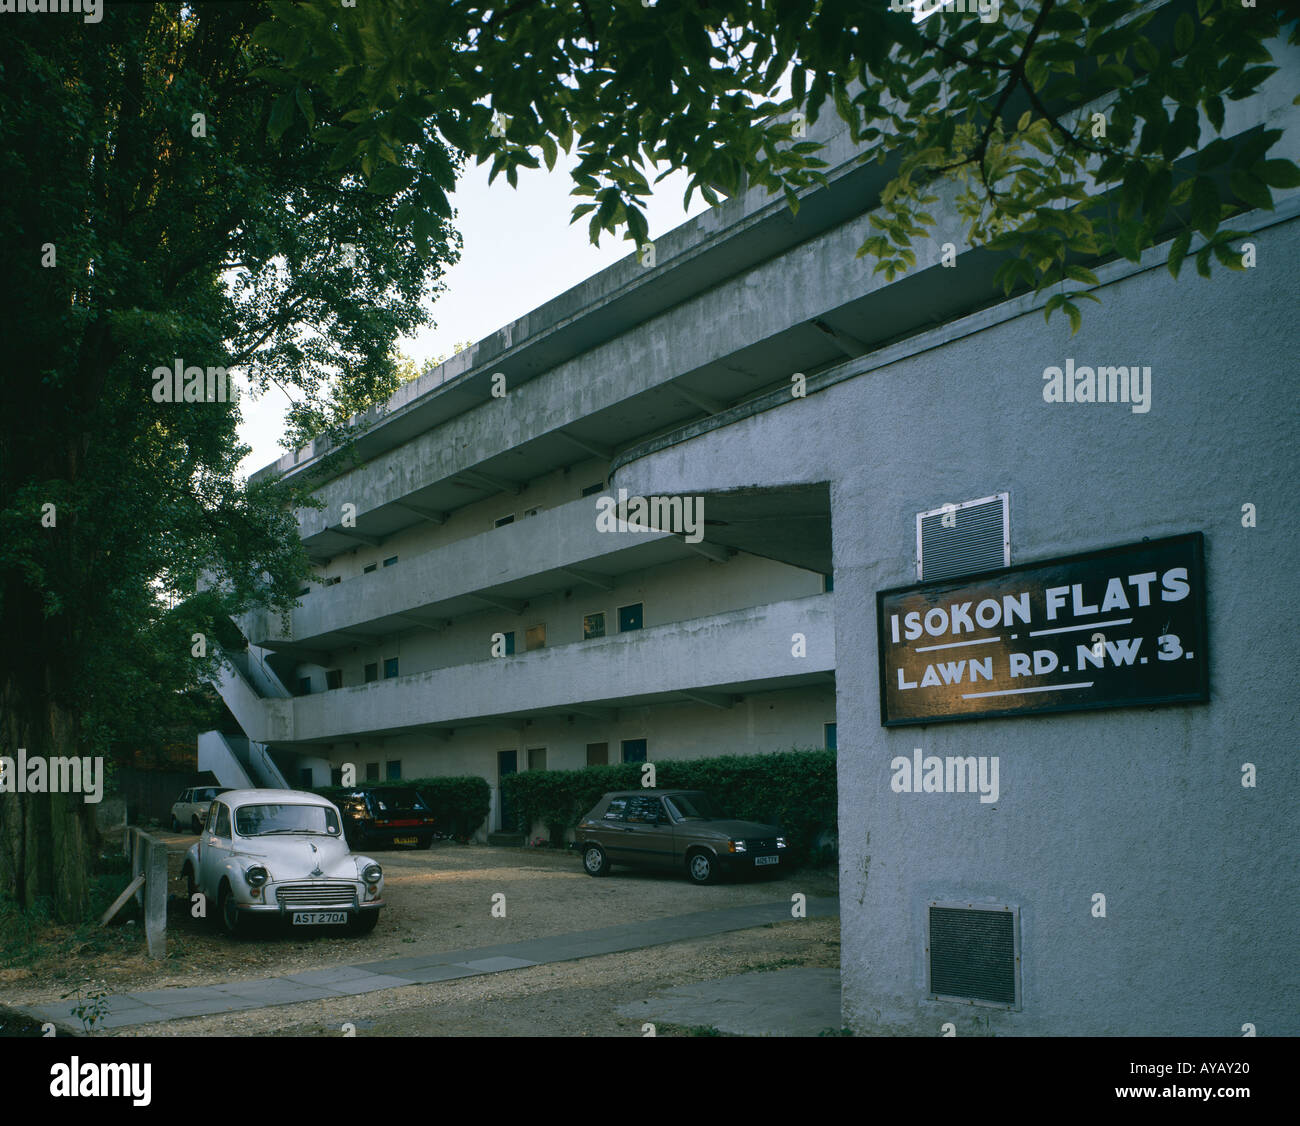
pixel 503 567
pixel 707 660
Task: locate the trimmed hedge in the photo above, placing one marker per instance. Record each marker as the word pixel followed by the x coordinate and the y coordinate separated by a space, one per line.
pixel 460 804
pixel 795 789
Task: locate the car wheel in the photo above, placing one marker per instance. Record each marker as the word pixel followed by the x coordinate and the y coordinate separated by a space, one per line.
pixel 595 861
pixel 702 868
pixel 363 922
pixel 231 922
pixel 196 826
pixel 176 825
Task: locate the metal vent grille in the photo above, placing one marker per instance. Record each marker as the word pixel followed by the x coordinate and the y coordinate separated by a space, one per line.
pixel 974 954
pixel 979 538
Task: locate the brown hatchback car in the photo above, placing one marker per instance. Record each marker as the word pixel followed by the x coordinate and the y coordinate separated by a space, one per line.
pixel 676 829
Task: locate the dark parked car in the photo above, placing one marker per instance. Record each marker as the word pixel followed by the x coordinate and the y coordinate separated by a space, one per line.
pixel 676 829
pixel 395 815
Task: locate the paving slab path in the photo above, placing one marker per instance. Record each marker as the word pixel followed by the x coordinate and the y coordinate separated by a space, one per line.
pixel 803 1001
pixel 341 981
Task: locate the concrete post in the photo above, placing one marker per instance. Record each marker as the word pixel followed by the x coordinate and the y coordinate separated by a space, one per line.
pixel 155 897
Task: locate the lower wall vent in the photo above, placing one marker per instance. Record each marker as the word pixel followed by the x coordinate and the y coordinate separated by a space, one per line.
pixel 973 954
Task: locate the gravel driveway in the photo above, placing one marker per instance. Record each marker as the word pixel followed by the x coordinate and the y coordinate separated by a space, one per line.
pixel 437 899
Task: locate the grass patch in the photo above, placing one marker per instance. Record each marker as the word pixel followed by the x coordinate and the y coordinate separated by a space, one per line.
pixel 32 937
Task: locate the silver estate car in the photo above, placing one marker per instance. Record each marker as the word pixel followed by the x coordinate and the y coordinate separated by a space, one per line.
pixel 190 810
pixel 281 853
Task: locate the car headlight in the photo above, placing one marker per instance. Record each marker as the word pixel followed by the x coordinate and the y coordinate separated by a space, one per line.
pixel 781 843
pixel 737 846
pixel 256 876
pixel 372 873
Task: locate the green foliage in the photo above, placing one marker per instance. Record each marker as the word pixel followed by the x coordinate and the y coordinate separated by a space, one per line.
pixel 999 112
pixel 94 1006
pixel 795 789
pixel 140 235
pixel 460 804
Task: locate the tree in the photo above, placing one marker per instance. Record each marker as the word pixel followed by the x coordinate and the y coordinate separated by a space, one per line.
pixel 1073 127
pixel 159 213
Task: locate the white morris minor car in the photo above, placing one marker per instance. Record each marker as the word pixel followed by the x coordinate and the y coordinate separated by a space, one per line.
pixel 281 853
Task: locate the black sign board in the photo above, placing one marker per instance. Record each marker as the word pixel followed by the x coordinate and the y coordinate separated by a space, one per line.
pixel 1109 629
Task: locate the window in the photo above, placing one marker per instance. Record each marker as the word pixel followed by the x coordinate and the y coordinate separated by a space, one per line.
pixel 368 568
pixel 592 490
pixel 593 625
pixel 828 736
pixel 629 617
pixel 334 678
pixel 634 750
pixel 536 758
pixel 617 807
pixel 304 686
pixel 694 806
pixel 390 560
pixel 535 637
pixel 372 671
pixel 390 667
pixel 304 777
pixel 264 820
pixel 333 580
pixel 336 776
pixel 644 810
pixel 597 754
pixel 372 772
pixel 223 820
pixel 502 521
pixel 393 769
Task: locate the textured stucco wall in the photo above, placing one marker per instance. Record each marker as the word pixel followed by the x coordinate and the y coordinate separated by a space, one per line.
pixel 1143 805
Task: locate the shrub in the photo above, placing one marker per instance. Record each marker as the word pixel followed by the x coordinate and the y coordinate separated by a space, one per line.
pixel 795 789
pixel 459 804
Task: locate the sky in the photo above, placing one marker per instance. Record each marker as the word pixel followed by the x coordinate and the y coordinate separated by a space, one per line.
pixel 519 251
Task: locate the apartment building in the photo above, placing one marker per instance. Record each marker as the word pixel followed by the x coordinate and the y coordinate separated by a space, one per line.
pixel 471 612
pixel 865 450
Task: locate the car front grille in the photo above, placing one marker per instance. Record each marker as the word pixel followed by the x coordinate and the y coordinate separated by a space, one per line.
pixel 320 894
pixel 765 844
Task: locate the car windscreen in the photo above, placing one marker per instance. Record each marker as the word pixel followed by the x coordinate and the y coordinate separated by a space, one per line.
pixel 265 820
pixel 695 807
pixel 387 801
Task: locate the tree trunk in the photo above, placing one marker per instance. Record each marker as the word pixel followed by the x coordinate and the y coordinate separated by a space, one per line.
pixel 47 841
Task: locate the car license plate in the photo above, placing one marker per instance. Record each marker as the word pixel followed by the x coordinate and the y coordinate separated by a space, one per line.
pixel 318 918
pixel 404 840
pixel 760 860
